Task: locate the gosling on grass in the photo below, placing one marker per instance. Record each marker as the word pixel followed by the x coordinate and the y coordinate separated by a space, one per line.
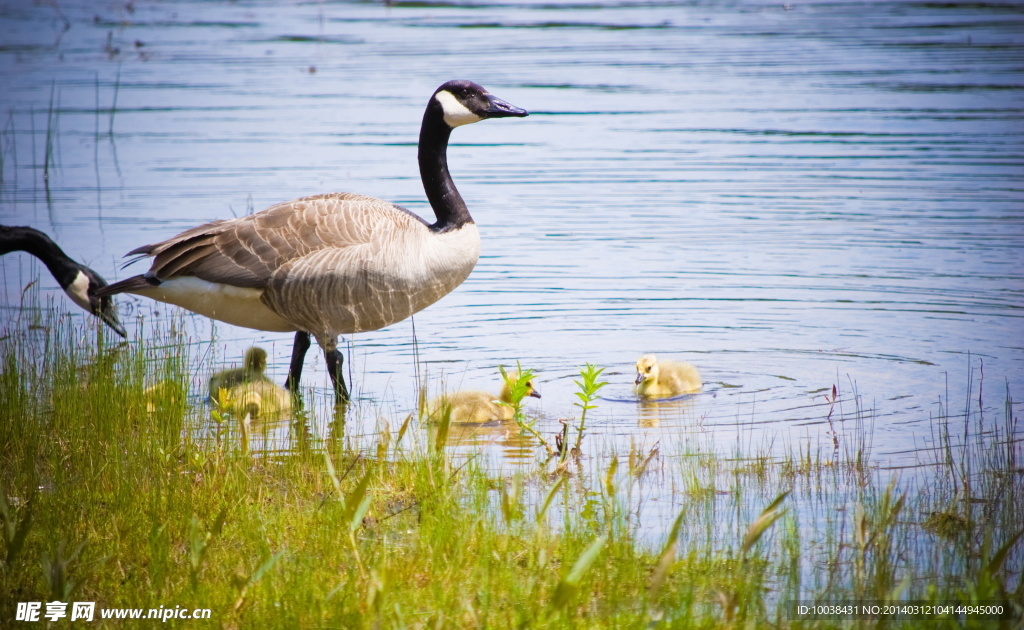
pixel 664 379
pixel 248 390
pixel 479 406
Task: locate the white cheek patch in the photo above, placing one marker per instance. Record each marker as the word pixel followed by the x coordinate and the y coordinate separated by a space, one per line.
pixel 455 113
pixel 78 291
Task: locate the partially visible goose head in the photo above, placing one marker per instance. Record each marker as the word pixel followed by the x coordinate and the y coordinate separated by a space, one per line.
pixel 78 281
pixel 464 102
pixel 82 292
pixel 513 378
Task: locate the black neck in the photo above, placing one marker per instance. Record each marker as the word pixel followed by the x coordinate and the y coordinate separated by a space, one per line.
pixel 27 239
pixel 444 197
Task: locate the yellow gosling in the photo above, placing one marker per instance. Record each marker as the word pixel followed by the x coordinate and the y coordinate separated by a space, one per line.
pixel 479 406
pixel 664 379
pixel 259 400
pixel 253 366
pixel 248 391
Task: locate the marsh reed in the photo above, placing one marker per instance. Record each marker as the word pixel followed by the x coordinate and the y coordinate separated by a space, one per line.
pixel 118 487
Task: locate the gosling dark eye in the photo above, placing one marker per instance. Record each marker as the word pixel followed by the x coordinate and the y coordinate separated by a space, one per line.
pixel 648 369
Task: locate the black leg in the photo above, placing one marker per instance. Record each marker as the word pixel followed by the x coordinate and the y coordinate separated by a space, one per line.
pixel 298 356
pixel 334 362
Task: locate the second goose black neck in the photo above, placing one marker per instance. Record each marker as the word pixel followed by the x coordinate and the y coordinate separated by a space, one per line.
pixel 30 240
pixel 444 197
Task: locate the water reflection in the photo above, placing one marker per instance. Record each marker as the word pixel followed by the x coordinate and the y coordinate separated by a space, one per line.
pixel 671 412
pixel 515 445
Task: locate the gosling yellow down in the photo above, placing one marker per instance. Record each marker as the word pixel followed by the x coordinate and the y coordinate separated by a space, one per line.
pixel 479 406
pixel 253 366
pixel 259 400
pixel 248 390
pixel 664 379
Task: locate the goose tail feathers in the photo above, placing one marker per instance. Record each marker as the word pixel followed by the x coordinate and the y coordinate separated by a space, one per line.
pixel 128 285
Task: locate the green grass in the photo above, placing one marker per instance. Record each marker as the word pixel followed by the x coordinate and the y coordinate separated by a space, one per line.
pixel 138 499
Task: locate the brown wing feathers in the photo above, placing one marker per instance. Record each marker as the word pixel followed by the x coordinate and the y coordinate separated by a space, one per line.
pixel 245 252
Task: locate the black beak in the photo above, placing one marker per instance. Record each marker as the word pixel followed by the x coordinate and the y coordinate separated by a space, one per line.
pixel 639 378
pixel 535 394
pixel 497 108
pixel 105 309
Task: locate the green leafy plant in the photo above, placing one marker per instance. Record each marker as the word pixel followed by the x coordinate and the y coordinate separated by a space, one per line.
pixel 588 387
pixel 519 388
pixel 568 586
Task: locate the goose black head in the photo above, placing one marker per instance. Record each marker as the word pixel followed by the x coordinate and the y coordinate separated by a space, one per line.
pixel 82 292
pixel 465 102
pixel 78 281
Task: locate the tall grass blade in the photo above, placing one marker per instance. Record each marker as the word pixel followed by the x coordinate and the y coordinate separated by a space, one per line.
pixel 997 560
pixel 549 498
pixel 762 523
pixel 55 570
pixel 510 501
pixel 569 585
pixel 358 501
pixel 15 530
pixel 443 427
pixel 666 559
pixel 333 474
pixel 403 429
pixel 255 577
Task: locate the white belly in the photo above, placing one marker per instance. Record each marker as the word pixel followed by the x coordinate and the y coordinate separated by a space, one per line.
pixel 233 305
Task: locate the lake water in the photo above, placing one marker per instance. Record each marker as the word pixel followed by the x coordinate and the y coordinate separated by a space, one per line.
pixel 790 197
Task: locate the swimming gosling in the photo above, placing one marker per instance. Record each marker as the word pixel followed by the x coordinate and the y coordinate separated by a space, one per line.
pixel 248 390
pixel 259 400
pixel 479 406
pixel 664 379
pixel 253 366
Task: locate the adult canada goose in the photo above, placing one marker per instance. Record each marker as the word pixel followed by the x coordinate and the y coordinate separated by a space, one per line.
pixel 78 281
pixel 663 379
pixel 335 263
pixel 479 406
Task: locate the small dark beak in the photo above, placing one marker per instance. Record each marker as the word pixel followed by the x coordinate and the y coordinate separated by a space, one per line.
pixel 535 394
pixel 497 108
pixel 107 311
pixel 639 378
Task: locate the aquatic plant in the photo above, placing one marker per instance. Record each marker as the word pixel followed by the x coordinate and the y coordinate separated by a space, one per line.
pixel 518 385
pixel 588 388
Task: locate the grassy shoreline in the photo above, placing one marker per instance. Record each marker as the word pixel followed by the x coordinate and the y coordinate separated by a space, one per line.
pixel 129 499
